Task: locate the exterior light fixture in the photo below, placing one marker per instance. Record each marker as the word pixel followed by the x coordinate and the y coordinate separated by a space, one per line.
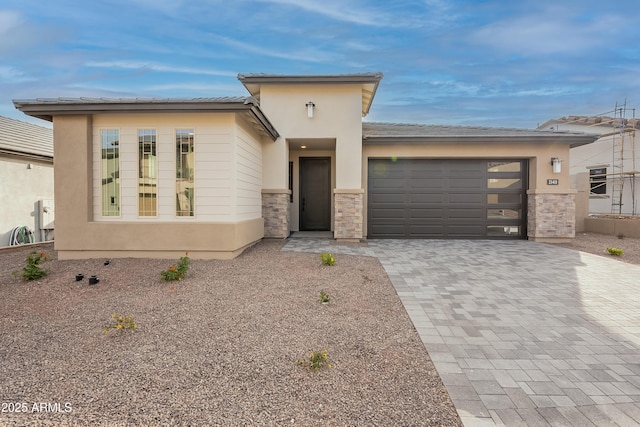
pixel 310 107
pixel 557 164
pixel 303 146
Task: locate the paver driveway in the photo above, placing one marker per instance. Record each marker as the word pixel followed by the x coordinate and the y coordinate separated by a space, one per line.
pixel 521 333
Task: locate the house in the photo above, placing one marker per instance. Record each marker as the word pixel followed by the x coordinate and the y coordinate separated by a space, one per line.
pixel 212 176
pixel 610 167
pixel 26 181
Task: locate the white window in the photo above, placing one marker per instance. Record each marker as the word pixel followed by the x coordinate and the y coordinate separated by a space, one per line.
pixel 147 178
pixel 110 171
pixel 184 172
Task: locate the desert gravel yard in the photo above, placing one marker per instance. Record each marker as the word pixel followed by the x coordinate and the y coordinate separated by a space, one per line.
pixel 217 348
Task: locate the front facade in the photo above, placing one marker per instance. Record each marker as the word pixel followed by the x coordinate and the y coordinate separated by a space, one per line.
pixel 26 182
pixel 156 178
pixel 609 169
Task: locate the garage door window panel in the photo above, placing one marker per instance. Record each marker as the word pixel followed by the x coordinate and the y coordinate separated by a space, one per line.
pixel 504 213
pixel 447 198
pixel 506 166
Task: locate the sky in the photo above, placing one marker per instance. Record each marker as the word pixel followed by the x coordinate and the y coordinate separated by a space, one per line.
pixel 497 63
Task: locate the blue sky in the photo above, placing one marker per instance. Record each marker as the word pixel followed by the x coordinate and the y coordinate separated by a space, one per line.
pixel 459 62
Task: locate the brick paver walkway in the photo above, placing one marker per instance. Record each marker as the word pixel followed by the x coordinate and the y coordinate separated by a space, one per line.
pixel 521 333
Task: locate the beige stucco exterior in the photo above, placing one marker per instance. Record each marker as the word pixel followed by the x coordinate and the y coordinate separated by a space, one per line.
pixel 337 109
pixel 243 190
pixel 228 196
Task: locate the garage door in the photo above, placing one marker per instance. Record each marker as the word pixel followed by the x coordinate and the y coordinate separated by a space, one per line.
pixel 464 199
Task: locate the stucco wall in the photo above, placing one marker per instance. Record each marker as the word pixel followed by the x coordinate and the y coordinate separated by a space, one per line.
pixel 337 116
pixel 601 154
pixel 20 189
pixel 217 231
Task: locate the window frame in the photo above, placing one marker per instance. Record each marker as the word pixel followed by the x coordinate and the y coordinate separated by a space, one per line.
pixel 598 181
pixel 139 151
pixel 101 178
pixel 192 180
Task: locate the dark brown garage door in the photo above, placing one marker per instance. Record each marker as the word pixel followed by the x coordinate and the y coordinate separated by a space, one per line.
pixel 463 199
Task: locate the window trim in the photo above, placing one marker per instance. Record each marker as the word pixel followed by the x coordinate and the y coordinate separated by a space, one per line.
pixel 100 178
pixel 138 173
pixel 600 181
pixel 191 130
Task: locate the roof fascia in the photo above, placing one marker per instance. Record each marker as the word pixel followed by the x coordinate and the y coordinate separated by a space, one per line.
pixel 47 109
pixel 571 140
pixel 22 154
pixel 253 83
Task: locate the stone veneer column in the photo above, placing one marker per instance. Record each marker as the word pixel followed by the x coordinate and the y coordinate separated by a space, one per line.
pixel 551 216
pixel 276 212
pixel 348 205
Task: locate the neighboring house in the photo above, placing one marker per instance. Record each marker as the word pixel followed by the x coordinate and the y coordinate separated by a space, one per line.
pixel 26 179
pixel 212 176
pixel 610 167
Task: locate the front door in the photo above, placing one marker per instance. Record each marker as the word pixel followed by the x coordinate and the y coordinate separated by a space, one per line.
pixel 315 193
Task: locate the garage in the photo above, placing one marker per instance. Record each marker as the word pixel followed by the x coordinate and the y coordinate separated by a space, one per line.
pixel 447 198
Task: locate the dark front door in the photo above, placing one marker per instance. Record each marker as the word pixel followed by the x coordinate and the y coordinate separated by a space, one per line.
pixel 315 193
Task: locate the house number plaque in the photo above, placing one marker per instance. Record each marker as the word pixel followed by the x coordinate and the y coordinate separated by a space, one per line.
pixel 552 182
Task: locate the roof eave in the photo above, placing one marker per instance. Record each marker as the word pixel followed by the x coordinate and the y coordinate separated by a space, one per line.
pixel 571 140
pixel 253 82
pixel 47 109
pixel 27 155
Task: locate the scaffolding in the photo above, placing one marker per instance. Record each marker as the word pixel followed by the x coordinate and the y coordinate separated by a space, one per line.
pixel 623 153
pixel 619 178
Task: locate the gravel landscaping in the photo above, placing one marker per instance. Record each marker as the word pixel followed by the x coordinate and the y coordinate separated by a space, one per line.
pixel 597 244
pixel 217 348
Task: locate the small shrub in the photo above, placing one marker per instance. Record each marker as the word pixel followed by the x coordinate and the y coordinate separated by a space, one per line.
pixel 177 271
pixel 120 323
pixel 327 259
pixel 324 297
pixel 316 360
pixel 615 251
pixel 32 270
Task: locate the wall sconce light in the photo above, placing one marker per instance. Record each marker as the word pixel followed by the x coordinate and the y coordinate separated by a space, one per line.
pixel 310 107
pixel 557 164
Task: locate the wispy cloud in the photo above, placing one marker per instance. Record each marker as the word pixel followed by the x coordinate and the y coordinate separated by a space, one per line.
pixel 17 33
pixel 141 65
pixel 310 54
pixel 551 31
pixel 12 75
pixel 352 12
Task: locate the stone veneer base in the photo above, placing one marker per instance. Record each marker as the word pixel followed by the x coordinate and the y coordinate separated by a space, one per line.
pixel 276 212
pixel 348 214
pixel 551 216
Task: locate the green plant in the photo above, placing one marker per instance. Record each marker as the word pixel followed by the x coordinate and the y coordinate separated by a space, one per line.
pixel 177 271
pixel 316 360
pixel 324 297
pixel 327 259
pixel 33 270
pixel 615 251
pixel 120 323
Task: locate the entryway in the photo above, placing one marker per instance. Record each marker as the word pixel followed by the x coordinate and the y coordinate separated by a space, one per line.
pixel 315 193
